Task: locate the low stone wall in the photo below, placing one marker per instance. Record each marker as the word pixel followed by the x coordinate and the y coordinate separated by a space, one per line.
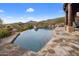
pixel 9 39
pixel 15 37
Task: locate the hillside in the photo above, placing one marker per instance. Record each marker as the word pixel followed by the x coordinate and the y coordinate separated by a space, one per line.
pixel 46 23
pixel 56 20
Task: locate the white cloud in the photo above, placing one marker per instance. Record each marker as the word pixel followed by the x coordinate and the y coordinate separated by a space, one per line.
pixel 25 19
pixel 9 17
pixel 30 10
pixel 1 11
pixel 30 18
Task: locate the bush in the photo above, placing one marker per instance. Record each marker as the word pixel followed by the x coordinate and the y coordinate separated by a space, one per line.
pixel 29 26
pixel 4 33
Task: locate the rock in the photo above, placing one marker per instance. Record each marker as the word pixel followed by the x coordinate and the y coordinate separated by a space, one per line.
pixel 62 44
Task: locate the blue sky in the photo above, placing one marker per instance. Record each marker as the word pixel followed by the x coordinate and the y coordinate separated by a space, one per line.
pixel 23 12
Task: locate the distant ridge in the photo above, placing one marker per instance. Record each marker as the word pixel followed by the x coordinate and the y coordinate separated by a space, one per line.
pixel 56 20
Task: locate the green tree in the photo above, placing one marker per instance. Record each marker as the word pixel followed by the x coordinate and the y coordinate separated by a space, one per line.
pixel 1 22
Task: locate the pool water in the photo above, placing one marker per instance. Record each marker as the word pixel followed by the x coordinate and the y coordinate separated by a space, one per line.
pixel 33 39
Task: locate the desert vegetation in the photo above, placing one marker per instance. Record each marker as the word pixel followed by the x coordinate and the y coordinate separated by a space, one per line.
pixel 6 29
pixel 4 33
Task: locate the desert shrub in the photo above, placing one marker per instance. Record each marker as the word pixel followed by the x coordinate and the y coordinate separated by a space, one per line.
pixel 4 33
pixel 29 26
